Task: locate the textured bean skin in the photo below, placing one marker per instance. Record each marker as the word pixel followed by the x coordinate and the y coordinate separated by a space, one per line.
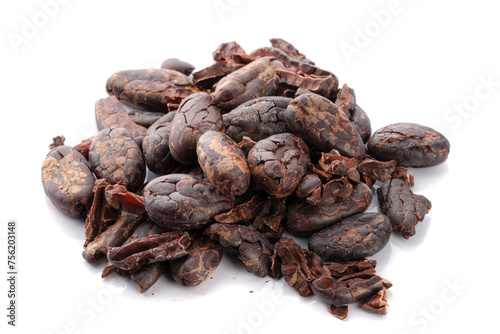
pixel 299 266
pixel 116 156
pixel 204 255
pixel 181 201
pixel 323 125
pixel 404 208
pixel 410 144
pixel 68 181
pixel 356 237
pixel 155 146
pixel 304 219
pixel 111 113
pixel 254 80
pixel 155 89
pixel 196 115
pixel 278 163
pixel 223 162
pixel 253 249
pixel 257 119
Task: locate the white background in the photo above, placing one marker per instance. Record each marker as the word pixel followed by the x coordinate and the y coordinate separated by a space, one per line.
pixel 423 63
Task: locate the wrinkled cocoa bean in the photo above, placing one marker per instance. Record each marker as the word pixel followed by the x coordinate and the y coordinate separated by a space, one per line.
pixel 155 146
pixel 254 80
pixel 111 113
pixel 278 162
pixel 181 201
pixel 257 119
pixel 116 156
pixel 223 162
pixel 68 181
pixel 196 115
pixel 154 89
pixel 323 125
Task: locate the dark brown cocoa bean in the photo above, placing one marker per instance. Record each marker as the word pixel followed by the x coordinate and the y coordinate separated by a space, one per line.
pixel 153 89
pixel 223 162
pixel 254 80
pixel 278 162
pixel 181 201
pixel 353 238
pixel 111 113
pixel 257 119
pixel 304 219
pixel 68 181
pixel 404 208
pixel 155 146
pixel 116 156
pixel 323 125
pixel 361 123
pixel 177 65
pixel 196 115
pixel 410 144
pixel 204 255
pixel 253 249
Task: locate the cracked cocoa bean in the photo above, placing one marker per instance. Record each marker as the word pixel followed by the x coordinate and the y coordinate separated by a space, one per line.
pixel 323 125
pixel 204 256
pixel 254 80
pixel 153 89
pixel 223 162
pixel 181 201
pixel 353 238
pixel 196 115
pixel 410 144
pixel 304 219
pixel 257 119
pixel 68 181
pixel 278 162
pixel 111 113
pixel 253 249
pixel 155 146
pixel 116 156
pixel 404 208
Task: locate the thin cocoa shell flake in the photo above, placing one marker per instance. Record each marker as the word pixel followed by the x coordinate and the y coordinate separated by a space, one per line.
pixel 238 157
